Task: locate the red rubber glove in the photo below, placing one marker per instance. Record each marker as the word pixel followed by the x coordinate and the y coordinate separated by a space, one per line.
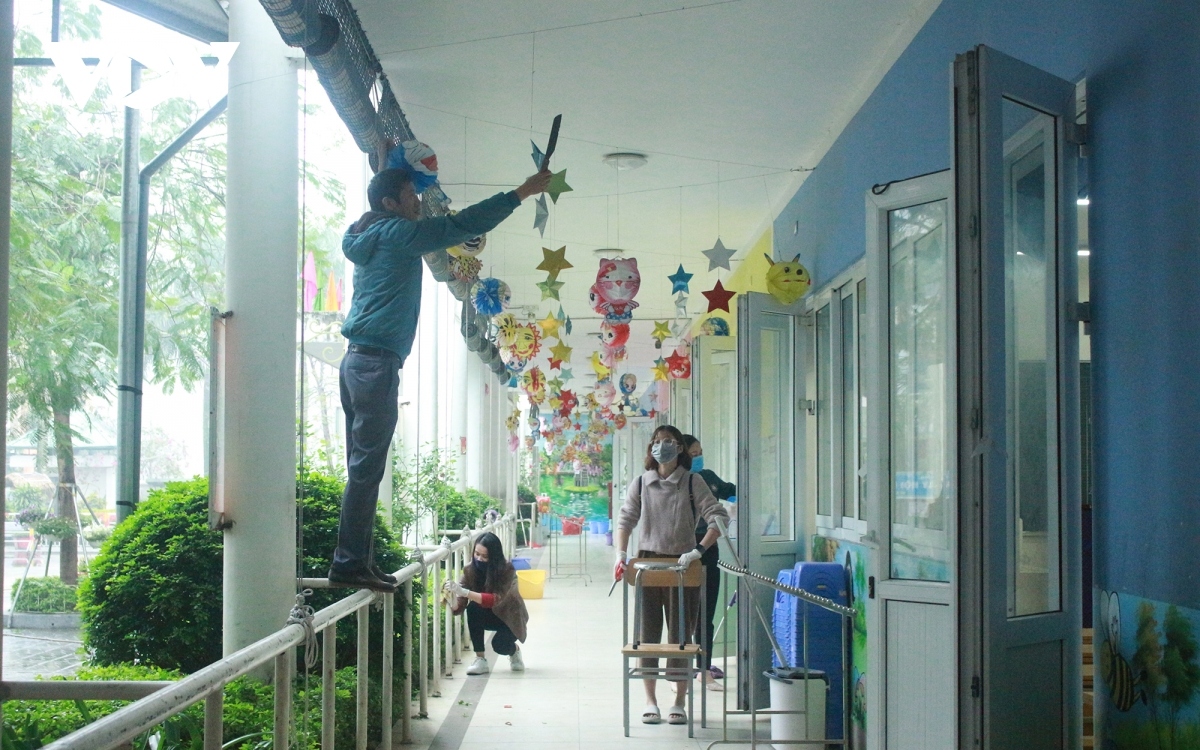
pixel 619 568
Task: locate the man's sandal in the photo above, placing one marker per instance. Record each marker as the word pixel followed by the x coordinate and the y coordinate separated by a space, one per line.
pixel 651 715
pixel 677 715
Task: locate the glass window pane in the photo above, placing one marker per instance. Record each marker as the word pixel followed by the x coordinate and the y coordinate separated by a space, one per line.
pixel 1031 365
pixel 849 438
pixel 773 461
pixel 861 299
pixel 919 347
pixel 824 417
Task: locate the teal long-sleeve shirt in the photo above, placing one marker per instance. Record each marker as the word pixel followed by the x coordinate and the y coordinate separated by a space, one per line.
pixel 386 251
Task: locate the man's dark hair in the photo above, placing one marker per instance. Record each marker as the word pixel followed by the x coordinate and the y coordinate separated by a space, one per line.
pixel 386 184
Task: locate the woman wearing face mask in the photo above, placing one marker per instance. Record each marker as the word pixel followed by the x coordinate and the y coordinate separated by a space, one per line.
pixel 722 490
pixel 667 500
pixel 488 592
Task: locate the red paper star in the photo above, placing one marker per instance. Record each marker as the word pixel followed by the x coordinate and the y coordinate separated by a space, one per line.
pixel 718 297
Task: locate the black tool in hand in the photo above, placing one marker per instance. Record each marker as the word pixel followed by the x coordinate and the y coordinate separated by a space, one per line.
pixel 552 142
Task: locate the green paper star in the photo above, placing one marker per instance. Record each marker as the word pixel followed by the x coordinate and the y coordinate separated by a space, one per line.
pixel 550 288
pixel 554 261
pixel 558 185
pixel 556 384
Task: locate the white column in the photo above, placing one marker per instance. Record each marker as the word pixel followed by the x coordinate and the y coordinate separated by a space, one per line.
pixel 259 440
pixel 474 422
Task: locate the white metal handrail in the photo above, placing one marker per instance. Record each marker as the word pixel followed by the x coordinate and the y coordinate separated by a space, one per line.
pixel 207 684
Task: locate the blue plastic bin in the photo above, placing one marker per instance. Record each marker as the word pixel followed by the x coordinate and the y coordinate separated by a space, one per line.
pixel 829 580
pixel 521 563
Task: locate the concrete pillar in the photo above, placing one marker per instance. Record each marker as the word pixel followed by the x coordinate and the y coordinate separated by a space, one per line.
pixel 259 440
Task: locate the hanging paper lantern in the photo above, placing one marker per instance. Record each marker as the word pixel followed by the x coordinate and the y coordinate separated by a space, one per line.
pixel 714 326
pixel 419 160
pixel 787 281
pixel 617 283
pixel 465 268
pixel 533 384
pixel 517 340
pixel 470 248
pixel 490 296
pixel 628 383
pixel 620 421
pixel 514 442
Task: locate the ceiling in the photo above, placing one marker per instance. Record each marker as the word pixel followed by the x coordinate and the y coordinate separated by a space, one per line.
pixel 727 100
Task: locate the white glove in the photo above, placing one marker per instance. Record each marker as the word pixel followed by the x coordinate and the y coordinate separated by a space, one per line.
pixel 689 557
pixel 619 566
pixel 455 588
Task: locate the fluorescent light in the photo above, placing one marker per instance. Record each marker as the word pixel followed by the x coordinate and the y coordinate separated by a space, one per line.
pixel 1085 252
pixel 1083 202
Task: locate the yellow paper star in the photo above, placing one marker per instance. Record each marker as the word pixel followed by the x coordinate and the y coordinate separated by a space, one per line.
pixel 662 331
pixel 560 352
pixel 550 326
pixel 660 369
pixel 558 185
pixel 601 369
pixel 554 261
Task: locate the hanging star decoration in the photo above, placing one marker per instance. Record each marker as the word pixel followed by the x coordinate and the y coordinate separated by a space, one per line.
pixel 660 369
pixel 550 288
pixel 718 256
pixel 718 297
pixel 679 280
pixel 559 353
pixel 565 320
pixel 541 215
pixel 550 326
pixel 602 370
pixel 566 375
pixel 554 261
pixel 537 155
pixel 681 301
pixel 662 332
pixel 558 185
pixel 556 384
pixel 679 365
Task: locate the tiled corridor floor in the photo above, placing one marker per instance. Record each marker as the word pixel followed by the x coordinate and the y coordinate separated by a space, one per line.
pixel 570 694
pixel 29 654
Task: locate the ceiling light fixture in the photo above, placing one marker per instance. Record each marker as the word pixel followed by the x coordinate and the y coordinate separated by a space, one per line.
pixel 625 160
pixel 610 252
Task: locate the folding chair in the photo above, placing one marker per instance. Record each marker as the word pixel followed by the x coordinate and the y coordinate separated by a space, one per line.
pixel 642 573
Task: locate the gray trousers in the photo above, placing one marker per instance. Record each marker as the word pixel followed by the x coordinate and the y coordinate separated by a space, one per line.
pixel 370 384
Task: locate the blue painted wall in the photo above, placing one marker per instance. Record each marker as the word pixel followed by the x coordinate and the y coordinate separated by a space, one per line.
pixel 1142 62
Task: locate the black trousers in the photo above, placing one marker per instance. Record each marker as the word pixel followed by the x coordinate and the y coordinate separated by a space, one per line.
pixel 712 595
pixel 480 619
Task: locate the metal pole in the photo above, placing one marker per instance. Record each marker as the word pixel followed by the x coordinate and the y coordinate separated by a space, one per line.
pixel 406 702
pixel 389 619
pixel 135 243
pixel 328 696
pixel 423 647
pixel 214 720
pixel 283 698
pixel 129 432
pixel 448 627
pixel 6 97
pixel 436 650
pixel 364 647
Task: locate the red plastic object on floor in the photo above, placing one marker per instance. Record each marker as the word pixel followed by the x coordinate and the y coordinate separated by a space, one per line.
pixel 572 526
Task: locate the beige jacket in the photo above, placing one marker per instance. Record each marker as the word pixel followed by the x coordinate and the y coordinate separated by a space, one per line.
pixel 509 606
pixel 664 508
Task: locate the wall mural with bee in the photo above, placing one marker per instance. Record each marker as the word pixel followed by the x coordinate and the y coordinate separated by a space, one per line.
pixel 1148 674
pixel 855 557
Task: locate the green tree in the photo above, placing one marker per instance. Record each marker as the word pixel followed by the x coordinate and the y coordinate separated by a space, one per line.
pixel 1181 674
pixel 65 254
pixel 1147 661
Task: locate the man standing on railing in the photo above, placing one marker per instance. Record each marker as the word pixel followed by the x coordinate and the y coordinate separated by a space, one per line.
pixel 386 245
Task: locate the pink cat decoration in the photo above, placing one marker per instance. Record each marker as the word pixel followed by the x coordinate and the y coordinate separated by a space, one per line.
pixel 617 283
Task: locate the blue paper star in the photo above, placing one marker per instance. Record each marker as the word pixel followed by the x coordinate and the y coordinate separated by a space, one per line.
pixel 679 280
pixel 537 156
pixel 565 375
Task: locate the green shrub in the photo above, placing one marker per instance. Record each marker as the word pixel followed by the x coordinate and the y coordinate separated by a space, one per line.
pixel 53 527
pixel 154 595
pixel 525 495
pixel 44 595
pixel 27 496
pixel 248 713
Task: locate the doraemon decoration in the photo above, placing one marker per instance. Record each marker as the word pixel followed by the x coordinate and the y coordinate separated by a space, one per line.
pixel 419 160
pixel 470 248
pixel 787 281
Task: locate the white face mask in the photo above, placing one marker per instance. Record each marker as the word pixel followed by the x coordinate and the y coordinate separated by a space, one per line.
pixel 664 451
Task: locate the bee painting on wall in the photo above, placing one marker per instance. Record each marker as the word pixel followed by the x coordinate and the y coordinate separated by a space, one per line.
pixel 1124 687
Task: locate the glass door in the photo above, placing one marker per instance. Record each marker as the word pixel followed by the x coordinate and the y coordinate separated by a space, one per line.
pixel 1019 597
pixel 772 346
pixel 911 482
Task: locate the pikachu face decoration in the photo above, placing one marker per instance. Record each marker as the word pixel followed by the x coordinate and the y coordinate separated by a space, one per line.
pixel 787 281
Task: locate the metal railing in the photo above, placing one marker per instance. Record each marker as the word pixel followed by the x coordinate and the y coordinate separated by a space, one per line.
pixel 168 699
